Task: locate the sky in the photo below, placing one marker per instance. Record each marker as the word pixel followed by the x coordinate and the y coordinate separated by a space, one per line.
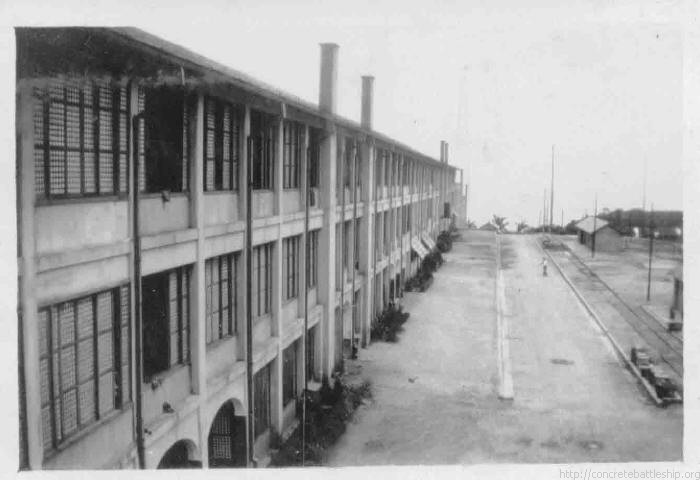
pixel 601 81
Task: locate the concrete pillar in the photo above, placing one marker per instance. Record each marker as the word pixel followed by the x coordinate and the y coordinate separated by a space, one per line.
pixel 277 416
pixel 27 273
pixel 327 246
pixel 367 247
pixel 328 97
pixel 367 101
pixel 197 294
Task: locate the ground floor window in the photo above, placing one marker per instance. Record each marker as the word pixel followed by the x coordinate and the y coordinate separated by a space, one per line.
pixel 289 369
pixel 261 396
pixel 310 353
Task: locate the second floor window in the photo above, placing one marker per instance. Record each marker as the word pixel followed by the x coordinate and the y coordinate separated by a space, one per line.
pixel 312 279
pixel 162 140
pixel 291 154
pixel 84 353
pixel 262 280
pixel 222 130
pixel 166 325
pixel 220 285
pixel 80 139
pixel 263 137
pixel 291 266
pixel 314 156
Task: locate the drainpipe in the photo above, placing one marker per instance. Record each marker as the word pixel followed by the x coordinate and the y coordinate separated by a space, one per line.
pixel 354 249
pixel 342 247
pixel 138 329
pixel 307 191
pixel 249 301
pixel 401 215
pixel 374 240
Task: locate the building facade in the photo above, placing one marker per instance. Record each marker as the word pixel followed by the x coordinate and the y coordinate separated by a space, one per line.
pixel 168 261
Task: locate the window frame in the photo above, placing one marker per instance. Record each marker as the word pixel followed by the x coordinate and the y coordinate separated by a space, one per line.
pixel 263 132
pixel 292 145
pixel 51 350
pixel 290 251
pixel 262 279
pixel 226 121
pixel 226 327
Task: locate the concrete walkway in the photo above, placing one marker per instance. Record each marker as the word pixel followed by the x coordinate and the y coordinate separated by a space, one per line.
pixel 436 390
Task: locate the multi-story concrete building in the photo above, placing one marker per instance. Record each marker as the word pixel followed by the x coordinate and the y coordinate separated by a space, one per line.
pixel 163 239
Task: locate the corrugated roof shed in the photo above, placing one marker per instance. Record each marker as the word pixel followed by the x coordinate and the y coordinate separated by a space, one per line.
pixel 587 224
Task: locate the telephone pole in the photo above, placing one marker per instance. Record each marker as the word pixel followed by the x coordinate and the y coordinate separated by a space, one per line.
pixel 651 250
pixel 551 193
pixel 595 221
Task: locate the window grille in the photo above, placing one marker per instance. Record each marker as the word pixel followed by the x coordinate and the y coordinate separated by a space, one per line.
pixel 261 398
pixel 262 279
pixel 220 284
pixel 80 139
pixel 293 141
pixel 263 133
pixel 313 258
pixel 222 145
pixel 291 266
pixel 83 368
pixel 289 369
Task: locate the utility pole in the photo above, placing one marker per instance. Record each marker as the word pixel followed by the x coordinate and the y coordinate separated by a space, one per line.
pixel 595 221
pixel 562 218
pixel 651 250
pixel 544 210
pixel 551 198
pixel 644 186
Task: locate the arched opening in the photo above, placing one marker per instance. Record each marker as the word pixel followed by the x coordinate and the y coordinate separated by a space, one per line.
pixel 179 456
pixel 227 439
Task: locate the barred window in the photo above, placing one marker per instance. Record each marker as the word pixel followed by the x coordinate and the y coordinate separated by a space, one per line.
pixel 262 279
pixel 220 287
pixel 261 408
pixel 83 362
pixel 162 140
pixel 80 139
pixel 312 279
pixel 165 320
pixel 290 252
pixel 293 139
pixel 311 353
pixel 289 369
pixel 222 130
pixel 263 135
pixel 314 156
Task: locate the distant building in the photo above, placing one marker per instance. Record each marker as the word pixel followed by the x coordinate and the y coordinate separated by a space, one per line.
pixel 592 230
pixel 489 227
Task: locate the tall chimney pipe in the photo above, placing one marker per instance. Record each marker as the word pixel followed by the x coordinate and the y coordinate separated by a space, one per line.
pixel 367 101
pixel 447 152
pixel 442 151
pixel 327 94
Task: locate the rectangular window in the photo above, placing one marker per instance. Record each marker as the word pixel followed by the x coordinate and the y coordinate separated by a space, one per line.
pixel 222 133
pixel 84 352
pixel 348 160
pixel 311 354
pixel 262 279
pixel 220 287
pixel 162 140
pixel 378 235
pixel 263 134
pixel 291 155
pixel 261 396
pixel 80 139
pixel 165 320
pixel 313 258
pixel 289 379
pixel 314 156
pixel 290 251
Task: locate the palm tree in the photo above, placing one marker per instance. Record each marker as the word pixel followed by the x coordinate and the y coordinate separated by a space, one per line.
pixel 522 225
pixel 500 222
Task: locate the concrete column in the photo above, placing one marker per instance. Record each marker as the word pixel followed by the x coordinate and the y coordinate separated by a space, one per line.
pixel 302 248
pixel 277 285
pixel 367 246
pixel 27 273
pixel 327 247
pixel 197 294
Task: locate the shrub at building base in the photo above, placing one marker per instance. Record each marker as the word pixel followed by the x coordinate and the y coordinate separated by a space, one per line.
pixel 326 418
pixel 444 241
pixel 388 324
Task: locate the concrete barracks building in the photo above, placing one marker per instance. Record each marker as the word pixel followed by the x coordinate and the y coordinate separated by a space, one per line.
pixel 169 265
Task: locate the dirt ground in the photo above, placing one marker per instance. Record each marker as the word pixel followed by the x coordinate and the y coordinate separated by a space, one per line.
pixel 435 391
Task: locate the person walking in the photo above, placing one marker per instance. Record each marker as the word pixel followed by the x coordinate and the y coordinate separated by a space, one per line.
pixel 544 266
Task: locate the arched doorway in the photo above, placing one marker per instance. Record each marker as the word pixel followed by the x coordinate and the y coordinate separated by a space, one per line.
pixel 227 439
pixel 179 456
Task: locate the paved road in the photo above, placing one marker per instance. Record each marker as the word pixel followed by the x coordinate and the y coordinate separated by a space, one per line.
pixel 436 390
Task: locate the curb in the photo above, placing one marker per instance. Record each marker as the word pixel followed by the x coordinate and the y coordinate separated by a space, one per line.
pixel 620 352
